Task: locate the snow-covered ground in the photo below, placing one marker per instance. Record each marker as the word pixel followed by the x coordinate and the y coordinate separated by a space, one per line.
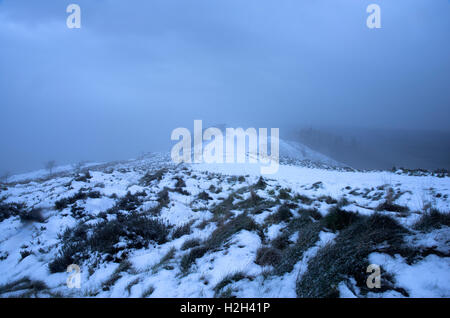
pixel 217 219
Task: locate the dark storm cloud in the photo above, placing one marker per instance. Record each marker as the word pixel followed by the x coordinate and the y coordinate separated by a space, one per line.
pixel 138 69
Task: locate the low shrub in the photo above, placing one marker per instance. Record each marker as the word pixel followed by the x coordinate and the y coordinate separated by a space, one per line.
pixel 80 195
pixel 181 230
pixel 312 213
pixel 136 230
pixel 434 219
pixel 280 242
pixel 303 199
pixel 8 210
pixel 267 256
pixel 83 177
pixel 190 244
pixel 188 259
pixel 25 214
pixel 308 235
pixel 391 207
pixel 218 237
pixel 26 285
pixel 281 215
pixel 204 196
pixel 284 194
pixel 152 176
pixel 347 256
pixel 34 215
pixel 227 280
pixel 327 199
pixel 338 219
pixel 222 233
pixel 163 201
pixel 165 259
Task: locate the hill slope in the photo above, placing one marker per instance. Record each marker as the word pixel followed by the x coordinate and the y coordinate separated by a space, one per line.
pixel 147 228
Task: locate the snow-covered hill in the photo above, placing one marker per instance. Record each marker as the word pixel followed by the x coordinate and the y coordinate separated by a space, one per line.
pixel 296 152
pixel 148 228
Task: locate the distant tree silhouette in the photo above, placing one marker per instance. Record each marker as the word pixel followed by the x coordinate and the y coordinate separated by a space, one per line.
pixel 50 165
pixel 5 176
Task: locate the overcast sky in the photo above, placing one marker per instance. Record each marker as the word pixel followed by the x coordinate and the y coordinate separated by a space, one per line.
pixel 138 69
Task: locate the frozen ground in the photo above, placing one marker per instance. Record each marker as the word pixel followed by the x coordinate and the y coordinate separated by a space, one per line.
pixel 147 228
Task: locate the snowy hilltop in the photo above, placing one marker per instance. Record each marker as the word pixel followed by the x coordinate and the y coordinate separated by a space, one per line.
pixel 149 228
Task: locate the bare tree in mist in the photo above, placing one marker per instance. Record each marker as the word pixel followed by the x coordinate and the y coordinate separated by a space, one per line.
pixel 5 177
pixel 50 165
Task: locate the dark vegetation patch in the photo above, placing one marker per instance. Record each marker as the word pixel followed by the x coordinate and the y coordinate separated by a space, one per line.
pixel 213 189
pixel 164 260
pixel 281 215
pixel 434 219
pixel 25 214
pixel 82 194
pixel 130 202
pixel 152 176
pixel 284 194
pixel 3 255
pixel 317 185
pixel 254 204
pixel 83 177
pixel 26 285
pixel 338 219
pixel 342 202
pixel 280 242
pixel 313 213
pixel 225 231
pixel 180 185
pixel 24 254
pixel 180 182
pixel 268 256
pixel 327 199
pixel 188 259
pixel 190 244
pixel 203 224
pixel 204 196
pixel 261 184
pixel 134 229
pixel 218 237
pixel 347 256
pixel 123 267
pixel 182 230
pixel 227 280
pixel 78 212
pixel 262 206
pixel 307 227
pixel 303 199
pixel 148 292
pixel 33 215
pixel 391 207
pixel 163 199
pixel 308 235
pixel 222 210
pixel 8 210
